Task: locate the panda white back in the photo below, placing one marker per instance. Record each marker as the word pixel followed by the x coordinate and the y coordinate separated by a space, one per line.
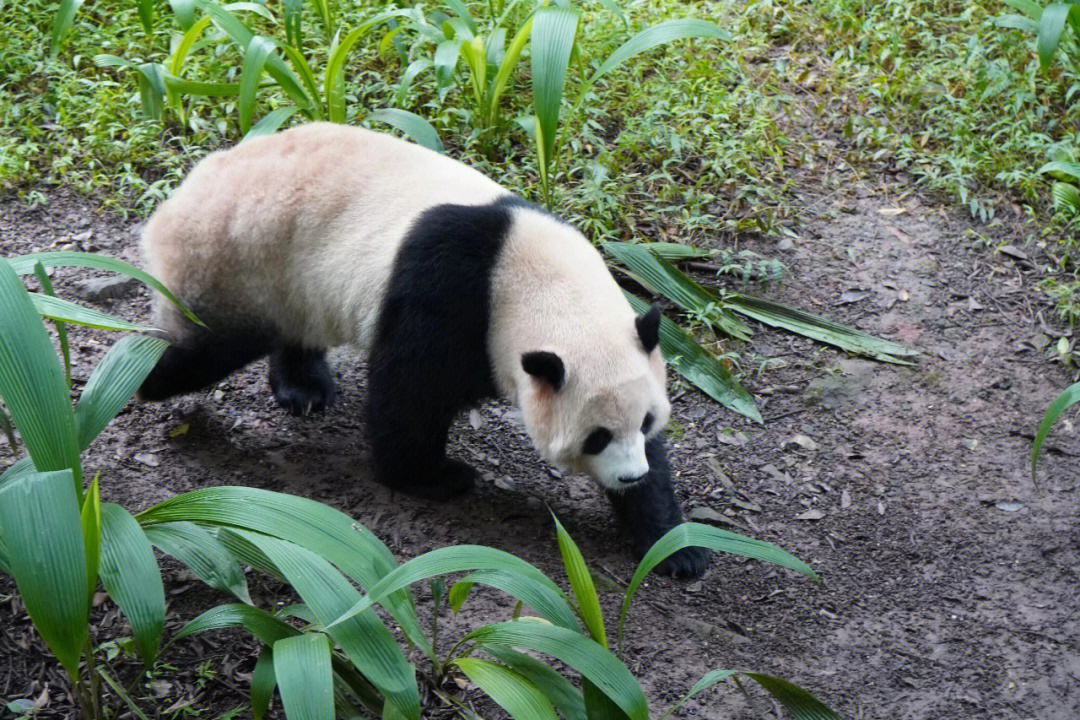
pixel 454 290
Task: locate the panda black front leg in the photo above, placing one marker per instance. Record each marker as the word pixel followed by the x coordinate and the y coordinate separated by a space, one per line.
pixel 648 509
pixel 301 380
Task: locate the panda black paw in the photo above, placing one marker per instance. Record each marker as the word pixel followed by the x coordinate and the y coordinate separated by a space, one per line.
pixel 450 479
pixel 301 380
pixel 687 563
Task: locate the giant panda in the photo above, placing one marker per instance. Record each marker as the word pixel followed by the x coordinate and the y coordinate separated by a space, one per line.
pixel 452 288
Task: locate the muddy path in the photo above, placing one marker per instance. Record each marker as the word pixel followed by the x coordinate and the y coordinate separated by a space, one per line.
pixel 950 579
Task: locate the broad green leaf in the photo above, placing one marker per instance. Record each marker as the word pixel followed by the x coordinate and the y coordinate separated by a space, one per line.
pixel 304 679
pixel 582 584
pixel 244 552
pixel 1063 170
pixel 65 17
pixel 114 382
pixel 61 327
pixel 675 252
pixel 415 68
pixel 200 89
pixel 254 7
pixel 325 531
pixel 22 468
pixel 39 515
pixel 800 703
pixel 275 66
pixel 512 692
pixel 270 122
pixel 506 68
pixel 599 706
pixel 334 89
pixel 1017 22
pixel 818 328
pixel 415 127
pixel 32 383
pixel 146 14
pixel 262 683
pixel 556 688
pixel 463 12
pixel 90 517
pixel 662 278
pixel 5 560
pixel 366 641
pixel 202 553
pixel 446 57
pixel 8 430
pixel 459 593
pixel 552 40
pixel 264 626
pixel 151 79
pixel 24 265
pixel 443 561
pixel 1030 8
pixel 701 368
pixel 699 535
pixel 574 649
pixel 306 75
pixel 1066 197
pixel 655 36
pixel 1070 396
pixel 184 10
pixel 546 600
pixel 130 573
pixel 255 55
pixel 61 310
pixel 707 681
pixel 1051 25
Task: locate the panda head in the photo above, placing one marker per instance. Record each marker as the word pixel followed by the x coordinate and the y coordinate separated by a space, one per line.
pixel 593 411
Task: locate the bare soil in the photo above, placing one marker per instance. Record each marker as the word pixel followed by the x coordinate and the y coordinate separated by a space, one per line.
pixel 950 578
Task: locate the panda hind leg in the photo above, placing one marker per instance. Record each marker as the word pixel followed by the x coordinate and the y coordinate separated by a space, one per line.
pixel 301 379
pixel 648 509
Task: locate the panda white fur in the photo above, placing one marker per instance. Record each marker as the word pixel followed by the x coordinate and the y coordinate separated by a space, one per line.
pixel 454 290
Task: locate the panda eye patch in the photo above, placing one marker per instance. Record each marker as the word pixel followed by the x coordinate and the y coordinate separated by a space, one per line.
pixel 597 441
pixel 646 424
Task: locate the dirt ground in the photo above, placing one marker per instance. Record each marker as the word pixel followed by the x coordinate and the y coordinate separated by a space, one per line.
pixel 950 578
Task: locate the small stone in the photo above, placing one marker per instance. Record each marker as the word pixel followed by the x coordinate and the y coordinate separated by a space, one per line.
pixel 219 395
pixel 148 459
pixel 695 587
pixel 104 288
pixel 812 514
pixel 504 483
pixel 845 499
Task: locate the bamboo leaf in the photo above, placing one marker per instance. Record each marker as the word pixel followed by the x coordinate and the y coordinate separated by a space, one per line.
pixel 65 18
pixel 1063 170
pixel 506 68
pixel 24 265
pixel 655 36
pixel 511 691
pixel 255 55
pixel 1070 396
pixel 676 252
pixel 32 383
pixel 582 584
pixel 548 602
pixel 203 554
pixel 61 327
pixel 200 89
pixel 114 382
pixel 556 688
pixel 662 278
pixel 323 530
pixel 270 122
pixel 263 682
pixel 1051 25
pixel 699 535
pixel 797 701
pixel 415 127
pixel 264 626
pixel 184 10
pixel 366 641
pixel 130 573
pixel 39 515
pixel 699 367
pixel 61 310
pixel 818 328
pixel 574 649
pixel 415 68
pixel 334 89
pixel 441 562
pixel 91 534
pixel 146 14
pixel 304 679
pixel 554 31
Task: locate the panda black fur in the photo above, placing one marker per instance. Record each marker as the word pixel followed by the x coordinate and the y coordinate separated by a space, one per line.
pixel 453 288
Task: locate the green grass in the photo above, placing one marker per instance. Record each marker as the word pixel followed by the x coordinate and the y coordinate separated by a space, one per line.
pixel 696 143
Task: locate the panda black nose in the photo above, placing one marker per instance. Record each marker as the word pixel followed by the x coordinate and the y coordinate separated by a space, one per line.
pixel 632 480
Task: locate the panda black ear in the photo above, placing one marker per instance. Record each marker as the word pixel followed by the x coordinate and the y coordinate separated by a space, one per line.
pixel 546 366
pixel 648 329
